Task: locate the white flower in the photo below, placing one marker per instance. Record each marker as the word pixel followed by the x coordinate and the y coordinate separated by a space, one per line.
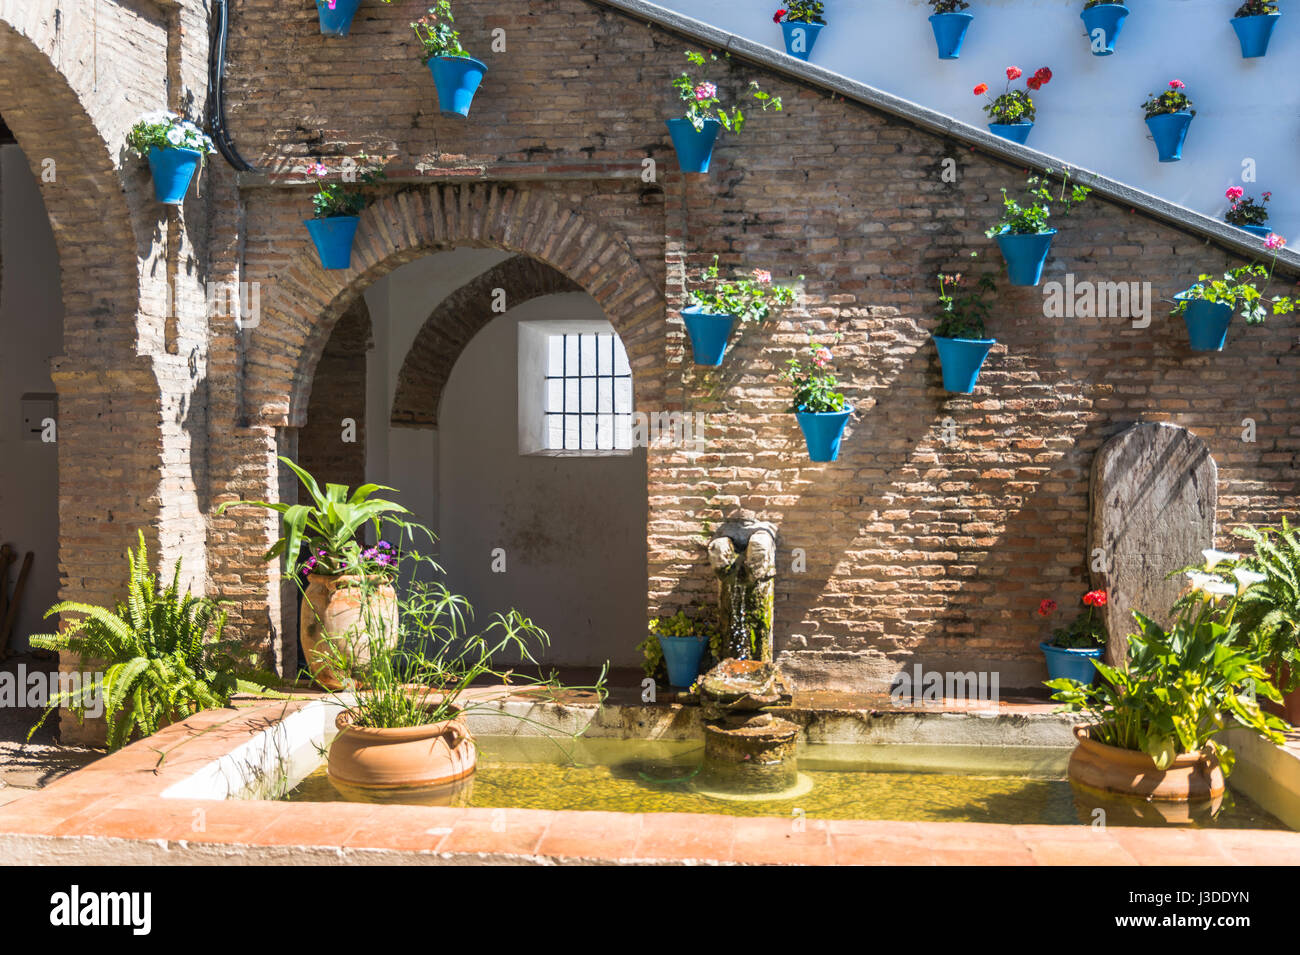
pixel 175 136
pixel 1209 584
pixel 1247 578
pixel 1215 557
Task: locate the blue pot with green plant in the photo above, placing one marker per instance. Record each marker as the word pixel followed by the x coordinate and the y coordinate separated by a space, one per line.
pixel 678 645
pixel 1169 116
pixel 1245 212
pixel 718 304
pixel 960 337
pixel 175 149
pixel 456 74
pixel 1103 19
pixel 949 26
pixel 801 21
pixel 1208 306
pixel 1012 112
pixel 336 209
pixel 822 412
pixel 695 134
pixel 1070 652
pixel 1022 234
pixel 1254 23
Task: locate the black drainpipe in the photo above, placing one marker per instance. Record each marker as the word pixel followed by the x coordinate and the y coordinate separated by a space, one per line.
pixel 216 108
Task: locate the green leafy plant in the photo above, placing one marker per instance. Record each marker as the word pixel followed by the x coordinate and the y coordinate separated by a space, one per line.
pixel 1236 288
pixel 801 11
pixel 1014 106
pixel 437 33
pixel 948 6
pixel 1245 210
pixel 1099 3
pixel 1180 683
pixel 162 651
pixel 1269 611
pixel 330 525
pixel 963 315
pixel 701 96
pixel 1172 100
pixel 347 196
pixel 1256 8
pixel 1087 631
pixel 165 130
pixel 1029 214
pixel 814 384
pixel 680 624
pixel 748 299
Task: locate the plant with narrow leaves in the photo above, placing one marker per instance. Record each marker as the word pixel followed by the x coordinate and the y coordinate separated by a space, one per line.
pixel 162 652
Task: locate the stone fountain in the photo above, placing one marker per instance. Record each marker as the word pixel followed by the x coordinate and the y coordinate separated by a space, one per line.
pixel 743 558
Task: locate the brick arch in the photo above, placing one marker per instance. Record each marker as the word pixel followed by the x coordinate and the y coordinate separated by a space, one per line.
pixel 399 228
pixel 456 320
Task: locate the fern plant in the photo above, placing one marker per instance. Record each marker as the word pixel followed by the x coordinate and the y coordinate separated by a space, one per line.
pixel 1269 612
pixel 161 653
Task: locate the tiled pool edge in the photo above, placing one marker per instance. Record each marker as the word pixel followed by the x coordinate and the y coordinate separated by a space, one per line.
pixel 113 812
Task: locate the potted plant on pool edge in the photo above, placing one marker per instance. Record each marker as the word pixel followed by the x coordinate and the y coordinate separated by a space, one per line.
pixel 695 133
pixel 1168 116
pixel 1072 649
pixel 1152 725
pixel 1012 111
pixel 176 149
pixel 336 213
pixel 1254 22
pixel 1245 213
pixel 456 74
pixel 1269 612
pixel 677 647
pixel 336 15
pixel 800 23
pixel 1103 20
pixel 822 411
pixel 1022 233
pixel 1207 307
pixel 949 25
pixel 719 304
pixel 960 337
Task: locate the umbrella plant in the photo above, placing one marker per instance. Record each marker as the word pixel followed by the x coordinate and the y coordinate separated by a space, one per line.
pixel 694 134
pixel 1013 111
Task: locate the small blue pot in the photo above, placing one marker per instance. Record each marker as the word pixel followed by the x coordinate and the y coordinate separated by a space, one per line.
pixel 1207 323
pixel 682 656
pixel 961 359
pixel 822 430
pixel 1070 664
pixel 1025 255
pixel 949 32
pixel 337 22
pixel 1109 19
pixel 709 332
pixel 333 238
pixel 800 37
pixel 694 147
pixel 1254 33
pixel 1260 230
pixel 457 79
pixel 172 169
pixel 1169 130
pixel 1016 132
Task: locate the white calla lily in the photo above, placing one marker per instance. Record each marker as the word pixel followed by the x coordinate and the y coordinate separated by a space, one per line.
pixel 1215 557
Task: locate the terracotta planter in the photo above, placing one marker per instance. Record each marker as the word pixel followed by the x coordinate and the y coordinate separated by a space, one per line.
pixel 1289 709
pixel 1193 776
pixel 410 757
pixel 333 609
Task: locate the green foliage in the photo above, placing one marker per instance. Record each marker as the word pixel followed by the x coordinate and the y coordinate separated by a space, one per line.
pixel 963 316
pixel 1269 611
pixel 1172 100
pixel 701 96
pixel 802 11
pixel 436 33
pixel 167 130
pixel 1179 683
pixel 1098 3
pixel 680 624
pixel 1237 287
pixel 1028 215
pixel 163 654
pixel 1256 8
pixel 330 524
pixel 815 386
pixel 748 299
pixel 1087 631
pixel 344 198
pixel 948 6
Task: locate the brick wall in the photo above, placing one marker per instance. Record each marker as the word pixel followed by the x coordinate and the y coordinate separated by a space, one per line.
pixel 338 395
pixel 914 547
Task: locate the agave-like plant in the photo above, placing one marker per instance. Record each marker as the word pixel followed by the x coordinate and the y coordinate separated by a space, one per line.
pixel 161 653
pixel 1269 612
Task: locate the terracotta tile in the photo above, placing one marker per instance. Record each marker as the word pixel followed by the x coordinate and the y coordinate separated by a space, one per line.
pixel 680 836
pixel 510 831
pixel 315 824
pixel 42 812
pixel 1171 846
pixel 417 828
pixel 780 841
pixel 584 835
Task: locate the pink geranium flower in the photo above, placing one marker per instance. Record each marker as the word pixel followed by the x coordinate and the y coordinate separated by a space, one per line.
pixel 762 276
pixel 705 91
pixel 1274 242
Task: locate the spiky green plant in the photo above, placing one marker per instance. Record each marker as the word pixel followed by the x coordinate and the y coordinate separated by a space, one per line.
pixel 1269 613
pixel 161 654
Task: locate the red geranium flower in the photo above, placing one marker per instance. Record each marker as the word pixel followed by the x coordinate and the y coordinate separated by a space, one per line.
pixel 981 89
pixel 1095 598
pixel 1034 83
pixel 776 17
pixel 1013 72
pixel 1043 75
pixel 1047 607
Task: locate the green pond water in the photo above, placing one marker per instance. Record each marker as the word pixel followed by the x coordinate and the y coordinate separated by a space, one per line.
pixel 902 783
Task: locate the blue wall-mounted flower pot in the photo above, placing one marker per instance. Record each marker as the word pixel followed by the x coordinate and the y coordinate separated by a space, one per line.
pixel 1260 230
pixel 960 360
pixel 1016 132
pixel 457 79
pixel 822 430
pixel 800 37
pixel 1068 663
pixel 1169 130
pixel 1207 323
pixel 1254 32
pixel 337 22
pixel 949 32
pixel 694 147
pixel 1025 255
pixel 333 238
pixel 172 169
pixel 682 656
pixel 1108 18
pixel 709 332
